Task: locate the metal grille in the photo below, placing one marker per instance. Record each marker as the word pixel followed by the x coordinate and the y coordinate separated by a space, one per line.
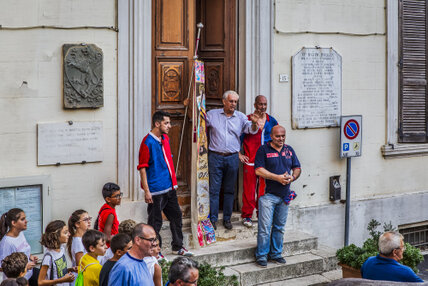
pixel 416 235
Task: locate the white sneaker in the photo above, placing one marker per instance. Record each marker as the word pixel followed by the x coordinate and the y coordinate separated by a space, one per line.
pixel 247 222
pixel 183 251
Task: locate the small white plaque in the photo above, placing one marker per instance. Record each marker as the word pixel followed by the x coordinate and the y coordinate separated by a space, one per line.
pixel 66 143
pixel 317 88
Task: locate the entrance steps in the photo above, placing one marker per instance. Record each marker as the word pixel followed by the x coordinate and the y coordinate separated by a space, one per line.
pixel 308 263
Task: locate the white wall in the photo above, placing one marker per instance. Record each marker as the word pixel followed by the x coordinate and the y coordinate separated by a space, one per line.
pixel 357 31
pixel 35 56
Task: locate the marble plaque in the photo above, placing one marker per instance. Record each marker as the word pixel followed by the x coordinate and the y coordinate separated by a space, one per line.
pixel 316 88
pixel 83 76
pixel 67 143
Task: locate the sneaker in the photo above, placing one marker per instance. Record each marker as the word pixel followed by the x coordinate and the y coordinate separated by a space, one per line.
pixel 261 263
pixel 183 251
pixel 227 224
pixel 279 260
pixel 160 257
pixel 247 222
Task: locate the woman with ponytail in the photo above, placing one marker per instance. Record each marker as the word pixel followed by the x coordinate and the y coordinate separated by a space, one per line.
pixel 12 239
pixel 78 223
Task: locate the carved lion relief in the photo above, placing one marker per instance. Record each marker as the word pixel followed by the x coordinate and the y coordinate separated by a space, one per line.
pixel 83 76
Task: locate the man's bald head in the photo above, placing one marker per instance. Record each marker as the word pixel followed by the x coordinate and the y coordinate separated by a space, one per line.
pixel 260 104
pixel 278 128
pixel 260 98
pixel 142 229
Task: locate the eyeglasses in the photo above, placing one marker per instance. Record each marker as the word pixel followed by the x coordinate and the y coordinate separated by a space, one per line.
pixel 191 282
pixel 86 219
pixel 118 196
pixel 152 240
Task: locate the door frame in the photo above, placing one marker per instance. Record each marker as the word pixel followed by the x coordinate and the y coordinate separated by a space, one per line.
pixel 134 91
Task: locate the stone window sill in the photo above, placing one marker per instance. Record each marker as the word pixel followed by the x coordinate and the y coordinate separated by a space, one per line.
pixel 404 150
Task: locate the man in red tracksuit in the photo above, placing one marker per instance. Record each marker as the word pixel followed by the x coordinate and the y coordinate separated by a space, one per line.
pixel 254 186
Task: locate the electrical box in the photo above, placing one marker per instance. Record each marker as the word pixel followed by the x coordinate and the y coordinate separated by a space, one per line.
pixel 335 188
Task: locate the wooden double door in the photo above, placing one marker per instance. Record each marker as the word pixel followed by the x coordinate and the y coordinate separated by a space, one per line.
pixel 173 48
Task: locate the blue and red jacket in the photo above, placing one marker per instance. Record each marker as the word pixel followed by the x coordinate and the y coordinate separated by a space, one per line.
pixel 155 155
pixel 252 142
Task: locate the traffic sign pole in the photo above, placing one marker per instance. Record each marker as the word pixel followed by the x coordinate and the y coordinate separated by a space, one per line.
pixel 348 199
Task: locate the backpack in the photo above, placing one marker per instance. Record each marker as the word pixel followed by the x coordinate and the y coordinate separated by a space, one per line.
pixel 79 279
pixel 98 217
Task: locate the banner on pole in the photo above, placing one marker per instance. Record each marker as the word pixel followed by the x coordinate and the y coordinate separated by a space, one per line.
pixel 206 234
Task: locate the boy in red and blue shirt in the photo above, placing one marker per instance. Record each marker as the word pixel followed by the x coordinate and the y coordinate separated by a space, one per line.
pixel 159 182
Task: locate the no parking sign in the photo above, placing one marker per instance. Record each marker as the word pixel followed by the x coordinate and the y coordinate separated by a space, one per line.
pixel 350 136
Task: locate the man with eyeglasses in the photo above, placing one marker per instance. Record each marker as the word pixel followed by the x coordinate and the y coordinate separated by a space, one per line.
pixel 131 269
pixel 159 182
pixel 386 266
pixel 183 271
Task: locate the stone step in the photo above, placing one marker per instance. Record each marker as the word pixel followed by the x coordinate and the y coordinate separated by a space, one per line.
pixel 311 280
pixel 242 251
pixel 300 265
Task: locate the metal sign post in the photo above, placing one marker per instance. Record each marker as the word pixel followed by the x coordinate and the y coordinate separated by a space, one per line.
pixel 350 146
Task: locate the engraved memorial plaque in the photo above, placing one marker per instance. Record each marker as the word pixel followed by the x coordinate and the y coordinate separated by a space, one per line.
pixel 64 143
pixel 83 76
pixel 317 88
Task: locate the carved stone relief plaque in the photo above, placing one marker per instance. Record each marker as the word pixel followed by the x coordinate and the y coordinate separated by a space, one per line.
pixel 83 76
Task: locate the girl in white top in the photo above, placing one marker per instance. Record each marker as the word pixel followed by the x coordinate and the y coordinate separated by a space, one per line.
pixel 78 223
pixel 12 225
pixel 54 269
pixel 153 265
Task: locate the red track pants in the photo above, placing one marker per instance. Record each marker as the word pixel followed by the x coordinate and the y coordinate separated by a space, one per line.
pixel 250 196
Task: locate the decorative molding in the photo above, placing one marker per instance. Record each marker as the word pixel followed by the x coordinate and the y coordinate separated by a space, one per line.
pixel 134 89
pixel 404 150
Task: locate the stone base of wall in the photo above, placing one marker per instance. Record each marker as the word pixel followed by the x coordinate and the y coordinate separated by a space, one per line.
pixel 327 222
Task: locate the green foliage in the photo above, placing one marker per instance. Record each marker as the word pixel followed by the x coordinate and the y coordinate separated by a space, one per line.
pixel 355 256
pixel 208 275
pixel 412 257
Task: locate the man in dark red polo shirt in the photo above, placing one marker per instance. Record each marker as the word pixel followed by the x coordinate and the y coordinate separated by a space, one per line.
pixel 278 164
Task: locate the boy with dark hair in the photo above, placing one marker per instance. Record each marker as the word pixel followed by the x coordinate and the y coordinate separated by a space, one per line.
pixel 120 244
pixel 15 265
pixel 159 182
pixel 106 221
pixel 95 245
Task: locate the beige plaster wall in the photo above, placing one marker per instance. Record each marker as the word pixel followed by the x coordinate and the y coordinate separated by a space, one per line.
pixel 362 45
pixel 31 93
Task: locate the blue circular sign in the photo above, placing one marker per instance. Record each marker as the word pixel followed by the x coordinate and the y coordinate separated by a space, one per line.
pixel 351 129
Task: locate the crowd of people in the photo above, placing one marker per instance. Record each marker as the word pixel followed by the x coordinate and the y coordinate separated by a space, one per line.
pixel 130 257
pixel 128 253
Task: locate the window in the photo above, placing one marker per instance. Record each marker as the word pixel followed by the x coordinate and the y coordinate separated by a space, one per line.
pixel 416 234
pixel 406 71
pixel 412 71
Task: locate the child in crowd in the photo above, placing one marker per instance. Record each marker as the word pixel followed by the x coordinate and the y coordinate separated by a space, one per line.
pixel 153 265
pixel 15 265
pixel 120 244
pixel 21 281
pixel 126 227
pixel 78 223
pixel 107 219
pixel 12 226
pixel 95 244
pixel 54 269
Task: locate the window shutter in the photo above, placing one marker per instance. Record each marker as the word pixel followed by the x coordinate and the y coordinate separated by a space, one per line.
pixel 413 71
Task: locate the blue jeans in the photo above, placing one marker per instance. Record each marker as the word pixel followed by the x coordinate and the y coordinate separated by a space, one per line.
pixel 222 169
pixel 272 218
